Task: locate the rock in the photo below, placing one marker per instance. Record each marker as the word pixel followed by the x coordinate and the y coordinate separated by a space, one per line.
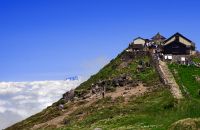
pixel 86 96
pixel 141 62
pixel 61 107
pixel 66 122
pixel 197 78
pixel 134 84
pixel 125 93
pixel 140 68
pixel 68 95
pixel 147 64
pixel 127 88
pixel 123 65
pixel 76 98
pixel 97 129
pixel 185 124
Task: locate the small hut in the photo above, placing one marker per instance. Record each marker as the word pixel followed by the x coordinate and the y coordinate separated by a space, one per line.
pixel 138 44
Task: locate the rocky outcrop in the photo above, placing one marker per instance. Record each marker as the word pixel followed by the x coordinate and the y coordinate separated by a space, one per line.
pixel 186 124
pixel 69 95
pixel 111 84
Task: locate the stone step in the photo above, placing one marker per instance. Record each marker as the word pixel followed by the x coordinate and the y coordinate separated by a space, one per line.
pixel 170 80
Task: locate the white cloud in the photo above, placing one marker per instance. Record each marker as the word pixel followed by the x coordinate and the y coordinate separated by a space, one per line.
pixel 23 99
pixel 2 109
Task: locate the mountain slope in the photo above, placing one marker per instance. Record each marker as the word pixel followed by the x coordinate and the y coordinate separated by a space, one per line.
pixel 134 99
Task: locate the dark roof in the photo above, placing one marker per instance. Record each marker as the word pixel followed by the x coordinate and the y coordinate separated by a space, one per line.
pixel 158 37
pixel 178 34
pixel 138 38
pixel 147 40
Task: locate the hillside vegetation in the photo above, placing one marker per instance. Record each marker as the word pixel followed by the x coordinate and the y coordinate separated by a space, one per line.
pixel 156 109
pixel 119 67
pixel 188 78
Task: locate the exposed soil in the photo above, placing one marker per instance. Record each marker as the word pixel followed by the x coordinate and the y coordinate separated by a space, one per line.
pixel 126 92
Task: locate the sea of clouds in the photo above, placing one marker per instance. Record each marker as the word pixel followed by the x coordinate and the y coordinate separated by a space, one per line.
pixel 19 100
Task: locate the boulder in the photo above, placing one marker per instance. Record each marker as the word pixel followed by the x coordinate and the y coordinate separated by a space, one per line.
pixel 186 124
pixel 97 129
pixel 197 78
pixel 66 122
pixel 69 95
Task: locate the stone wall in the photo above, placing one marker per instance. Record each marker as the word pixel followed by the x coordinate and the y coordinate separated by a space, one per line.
pixel 155 62
pixel 177 59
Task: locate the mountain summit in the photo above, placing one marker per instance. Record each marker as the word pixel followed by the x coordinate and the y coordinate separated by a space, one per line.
pixel 152 85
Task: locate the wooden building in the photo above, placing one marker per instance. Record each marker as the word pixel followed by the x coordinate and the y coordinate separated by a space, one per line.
pixel 138 44
pixel 158 39
pixel 178 45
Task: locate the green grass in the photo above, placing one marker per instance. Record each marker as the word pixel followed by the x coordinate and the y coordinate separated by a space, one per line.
pixel 196 59
pixel 185 77
pixel 153 111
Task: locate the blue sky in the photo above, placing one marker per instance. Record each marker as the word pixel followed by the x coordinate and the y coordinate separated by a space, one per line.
pixel 53 39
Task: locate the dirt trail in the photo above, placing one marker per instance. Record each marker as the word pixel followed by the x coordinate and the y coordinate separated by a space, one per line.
pixel 170 80
pixel 58 120
pixel 120 91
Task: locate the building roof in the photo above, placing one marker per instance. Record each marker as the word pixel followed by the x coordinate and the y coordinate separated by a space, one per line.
pixel 158 36
pixel 139 38
pixel 180 38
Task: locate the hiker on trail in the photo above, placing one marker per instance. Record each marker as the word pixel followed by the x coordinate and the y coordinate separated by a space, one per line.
pixel 103 91
pixel 103 94
pixel 61 107
pixel 96 90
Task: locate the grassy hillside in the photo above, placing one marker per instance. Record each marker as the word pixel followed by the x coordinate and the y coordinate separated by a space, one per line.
pixel 113 70
pixel 154 110
pixel 188 77
pixel 196 58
